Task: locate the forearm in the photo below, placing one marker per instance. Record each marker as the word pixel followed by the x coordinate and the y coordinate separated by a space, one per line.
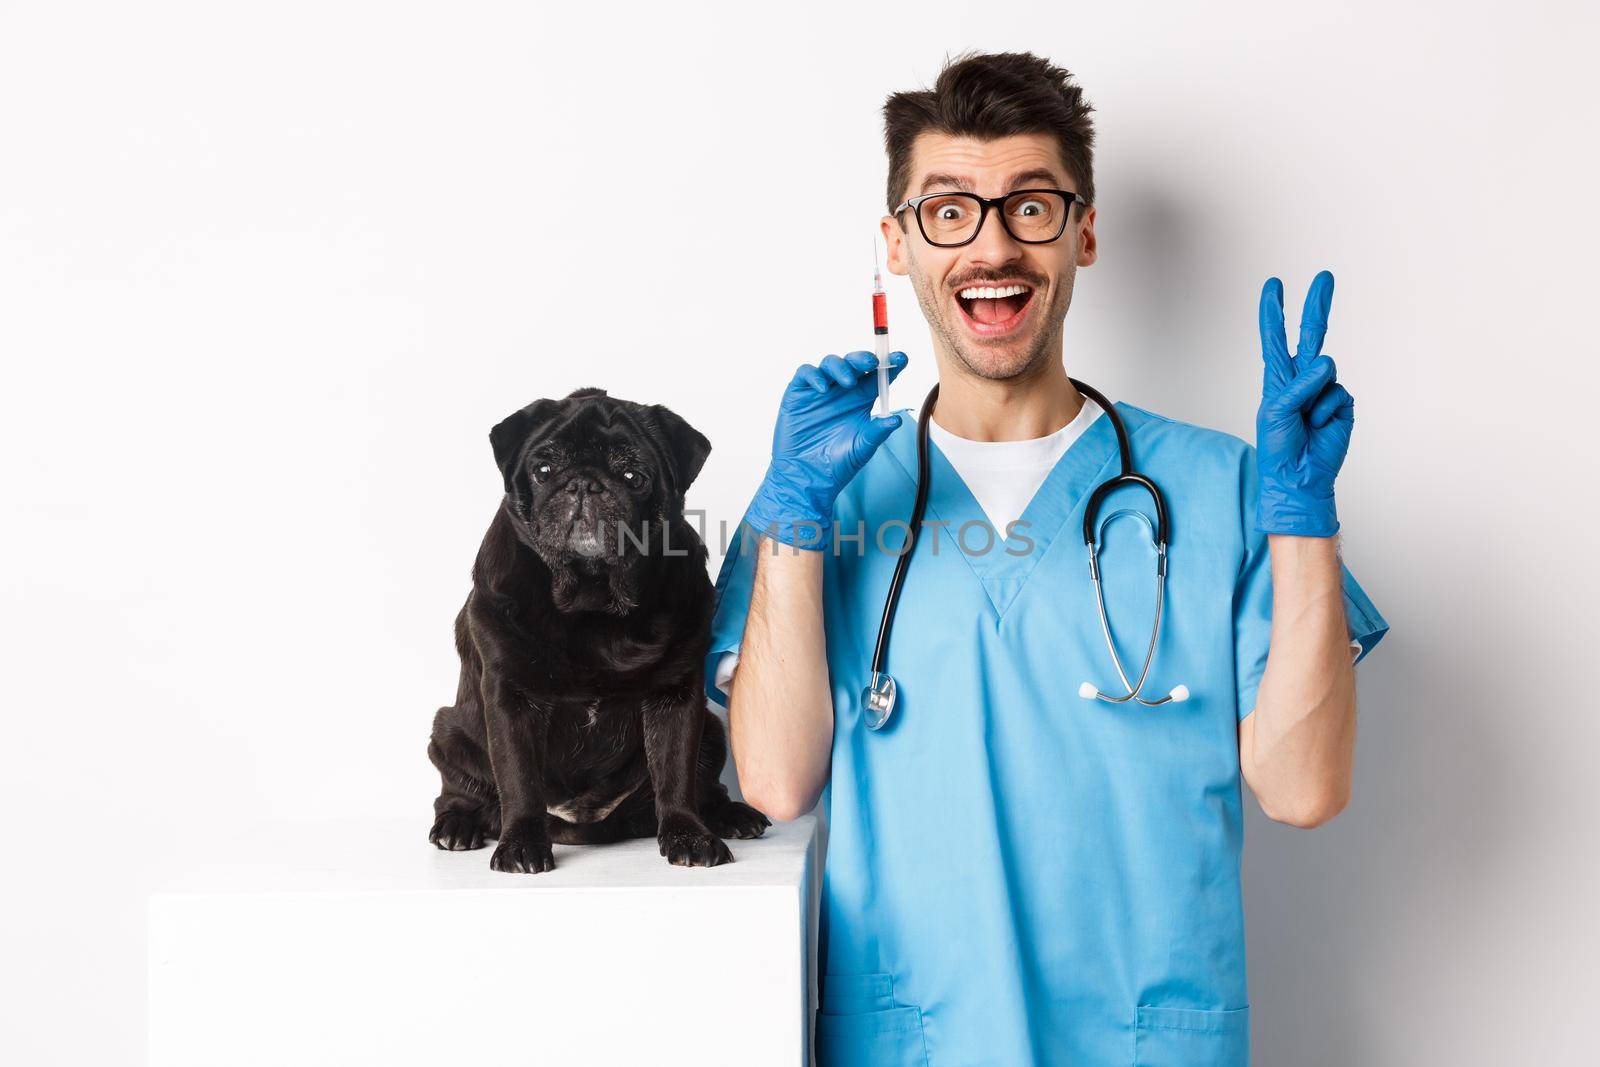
pixel 780 707
pixel 1297 748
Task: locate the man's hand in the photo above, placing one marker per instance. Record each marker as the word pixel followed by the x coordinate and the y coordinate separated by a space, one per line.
pixel 1304 422
pixel 825 433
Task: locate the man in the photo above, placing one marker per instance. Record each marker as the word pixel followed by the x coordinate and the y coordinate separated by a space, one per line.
pixel 1018 874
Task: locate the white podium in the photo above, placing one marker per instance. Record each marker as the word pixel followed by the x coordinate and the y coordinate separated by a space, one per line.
pixel 351 944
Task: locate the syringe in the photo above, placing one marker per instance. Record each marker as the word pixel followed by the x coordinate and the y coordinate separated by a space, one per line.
pixel 880 331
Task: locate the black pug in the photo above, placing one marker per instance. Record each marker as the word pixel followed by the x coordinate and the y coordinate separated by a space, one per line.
pixel 580 715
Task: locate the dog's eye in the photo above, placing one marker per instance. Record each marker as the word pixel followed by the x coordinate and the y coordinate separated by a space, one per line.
pixel 635 479
pixel 541 471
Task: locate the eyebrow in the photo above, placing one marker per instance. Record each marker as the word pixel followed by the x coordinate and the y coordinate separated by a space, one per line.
pixel 1018 180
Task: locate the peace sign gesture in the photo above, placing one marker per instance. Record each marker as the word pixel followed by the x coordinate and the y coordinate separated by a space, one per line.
pixel 1304 422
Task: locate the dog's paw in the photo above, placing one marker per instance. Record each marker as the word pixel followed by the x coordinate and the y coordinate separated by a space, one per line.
pixel 523 855
pixel 686 841
pixel 733 819
pixel 457 831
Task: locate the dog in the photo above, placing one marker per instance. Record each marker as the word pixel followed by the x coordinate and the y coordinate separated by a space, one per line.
pixel 580 715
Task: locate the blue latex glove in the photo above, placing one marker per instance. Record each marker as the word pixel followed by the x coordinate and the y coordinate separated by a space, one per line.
pixel 825 433
pixel 1304 422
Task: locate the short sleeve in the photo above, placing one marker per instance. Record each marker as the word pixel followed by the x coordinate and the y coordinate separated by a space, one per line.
pixel 1252 601
pixel 734 582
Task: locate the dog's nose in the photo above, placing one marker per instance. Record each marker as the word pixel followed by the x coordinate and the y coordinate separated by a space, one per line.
pixel 585 483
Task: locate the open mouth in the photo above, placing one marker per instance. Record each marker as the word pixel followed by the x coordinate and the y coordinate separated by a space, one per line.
pixel 994 310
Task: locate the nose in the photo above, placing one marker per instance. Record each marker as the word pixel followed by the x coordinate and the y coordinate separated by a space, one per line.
pixel 585 483
pixel 994 243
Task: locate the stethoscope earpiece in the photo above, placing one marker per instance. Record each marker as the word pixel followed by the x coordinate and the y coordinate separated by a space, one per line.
pixel 1179 694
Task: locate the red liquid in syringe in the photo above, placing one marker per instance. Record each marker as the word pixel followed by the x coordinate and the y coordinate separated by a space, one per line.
pixel 880 331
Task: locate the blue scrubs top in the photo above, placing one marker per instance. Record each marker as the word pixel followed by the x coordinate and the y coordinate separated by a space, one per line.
pixel 1016 875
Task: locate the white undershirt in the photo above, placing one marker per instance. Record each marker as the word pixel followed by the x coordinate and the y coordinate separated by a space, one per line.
pixel 1002 475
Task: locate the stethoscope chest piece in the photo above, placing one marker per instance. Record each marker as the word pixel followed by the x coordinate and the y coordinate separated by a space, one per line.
pixel 877 700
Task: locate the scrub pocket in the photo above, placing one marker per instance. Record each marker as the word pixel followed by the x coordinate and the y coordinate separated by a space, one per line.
pixel 860 1025
pixel 1186 1037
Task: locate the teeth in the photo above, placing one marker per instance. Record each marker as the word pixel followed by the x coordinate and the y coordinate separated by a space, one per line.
pixel 989 293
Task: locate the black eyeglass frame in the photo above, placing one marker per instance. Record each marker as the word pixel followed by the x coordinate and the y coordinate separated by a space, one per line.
pixel 984 204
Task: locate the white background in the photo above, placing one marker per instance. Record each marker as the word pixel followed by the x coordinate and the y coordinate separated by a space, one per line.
pixel 269 273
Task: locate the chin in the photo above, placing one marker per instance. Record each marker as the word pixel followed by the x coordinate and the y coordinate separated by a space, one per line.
pixel 1016 358
pixel 998 366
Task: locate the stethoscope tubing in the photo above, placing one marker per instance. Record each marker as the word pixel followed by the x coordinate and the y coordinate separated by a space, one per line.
pixel 881 692
pixel 1105 621
pixel 919 507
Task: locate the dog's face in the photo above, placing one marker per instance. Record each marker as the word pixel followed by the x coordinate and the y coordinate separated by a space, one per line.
pixel 590 479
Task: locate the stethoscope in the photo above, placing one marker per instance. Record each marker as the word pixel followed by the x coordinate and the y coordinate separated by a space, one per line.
pixel 879 696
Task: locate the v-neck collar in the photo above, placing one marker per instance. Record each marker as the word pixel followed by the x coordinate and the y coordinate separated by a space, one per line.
pixel 1003 573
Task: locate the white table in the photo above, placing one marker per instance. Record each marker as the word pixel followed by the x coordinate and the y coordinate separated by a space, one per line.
pixel 341 943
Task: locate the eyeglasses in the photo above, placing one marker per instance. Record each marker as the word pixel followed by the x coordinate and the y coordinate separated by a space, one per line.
pixel 1031 216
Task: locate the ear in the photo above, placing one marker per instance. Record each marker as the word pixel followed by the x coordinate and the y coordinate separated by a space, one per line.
pixel 687 445
pixel 512 432
pixel 894 242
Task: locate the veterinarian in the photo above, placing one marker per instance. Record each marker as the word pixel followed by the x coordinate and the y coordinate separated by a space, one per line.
pixel 1018 874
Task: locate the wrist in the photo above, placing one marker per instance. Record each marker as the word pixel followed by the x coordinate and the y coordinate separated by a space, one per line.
pixel 1299 513
pixel 1305 526
pixel 802 535
pixel 1297 549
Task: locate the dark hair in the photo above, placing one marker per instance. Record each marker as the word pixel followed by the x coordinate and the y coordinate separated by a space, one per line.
pixel 988 96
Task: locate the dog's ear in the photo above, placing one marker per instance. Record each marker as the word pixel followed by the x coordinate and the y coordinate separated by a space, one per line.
pixel 513 431
pixel 688 446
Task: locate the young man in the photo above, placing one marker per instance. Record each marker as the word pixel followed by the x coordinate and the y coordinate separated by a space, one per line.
pixel 1018 872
